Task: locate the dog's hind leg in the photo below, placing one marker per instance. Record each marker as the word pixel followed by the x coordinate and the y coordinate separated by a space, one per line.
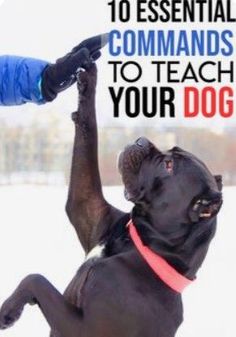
pixel 86 207
pixel 63 318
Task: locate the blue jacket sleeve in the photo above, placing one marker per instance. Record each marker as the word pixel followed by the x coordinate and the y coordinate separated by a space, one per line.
pixel 20 80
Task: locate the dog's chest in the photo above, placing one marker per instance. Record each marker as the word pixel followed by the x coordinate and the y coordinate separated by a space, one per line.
pixel 75 290
pixel 117 284
pixel 96 253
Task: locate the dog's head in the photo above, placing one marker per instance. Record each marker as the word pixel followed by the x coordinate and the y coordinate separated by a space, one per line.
pixel 175 184
pixel 173 191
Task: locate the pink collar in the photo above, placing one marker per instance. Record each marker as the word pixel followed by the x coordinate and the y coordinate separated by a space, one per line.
pixel 161 268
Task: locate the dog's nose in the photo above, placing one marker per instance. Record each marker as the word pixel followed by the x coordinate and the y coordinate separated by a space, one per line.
pixel 142 142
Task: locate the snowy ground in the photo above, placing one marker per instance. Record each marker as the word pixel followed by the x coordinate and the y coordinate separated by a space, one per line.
pixel 35 236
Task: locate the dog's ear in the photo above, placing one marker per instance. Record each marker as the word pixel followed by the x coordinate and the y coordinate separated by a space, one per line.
pixel 205 206
pixel 219 182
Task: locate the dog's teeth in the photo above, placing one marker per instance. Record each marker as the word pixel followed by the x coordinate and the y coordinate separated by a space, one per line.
pixel 205 215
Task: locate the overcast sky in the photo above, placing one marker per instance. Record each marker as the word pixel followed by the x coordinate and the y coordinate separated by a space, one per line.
pixel 48 29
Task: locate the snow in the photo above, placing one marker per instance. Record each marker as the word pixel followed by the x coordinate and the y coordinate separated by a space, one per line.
pixel 36 237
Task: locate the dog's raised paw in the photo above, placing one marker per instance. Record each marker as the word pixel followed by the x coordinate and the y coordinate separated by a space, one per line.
pixel 9 315
pixel 82 81
pixel 87 80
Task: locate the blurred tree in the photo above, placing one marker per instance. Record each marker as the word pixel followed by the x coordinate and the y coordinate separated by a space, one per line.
pixel 44 150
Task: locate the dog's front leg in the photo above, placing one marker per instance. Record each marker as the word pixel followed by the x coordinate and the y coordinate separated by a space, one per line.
pixel 87 210
pixel 35 289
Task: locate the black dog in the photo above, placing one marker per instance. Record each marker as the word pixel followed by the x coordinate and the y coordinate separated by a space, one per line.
pixel 117 293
